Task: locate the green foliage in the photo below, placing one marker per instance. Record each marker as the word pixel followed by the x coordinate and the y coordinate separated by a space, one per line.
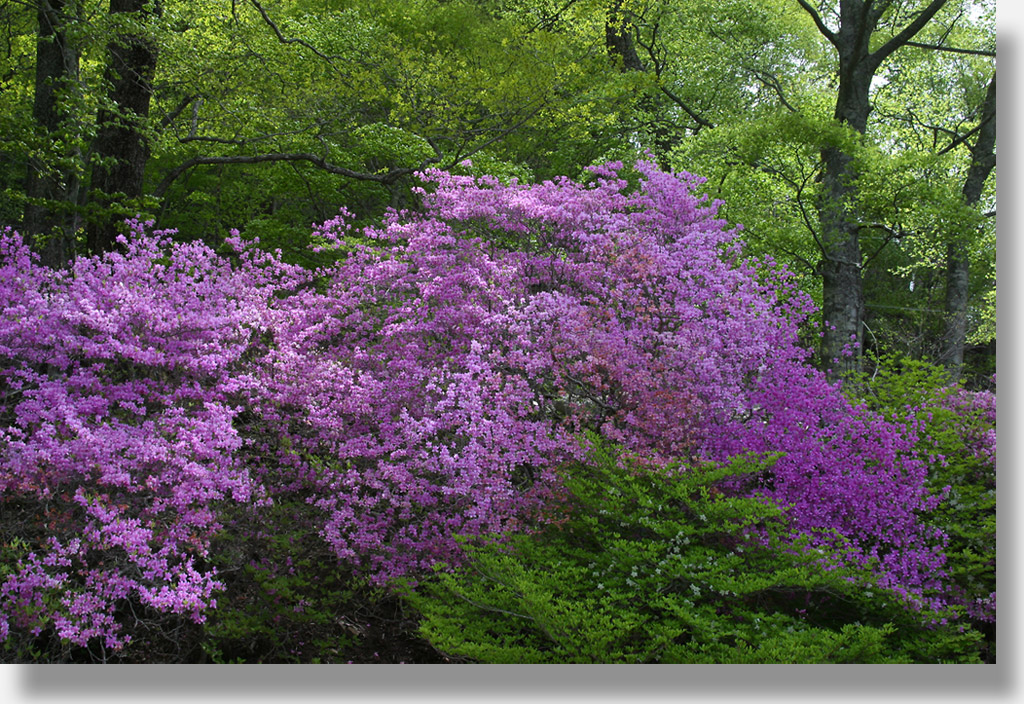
pixel 526 89
pixel 369 86
pixel 765 82
pixel 653 564
pixel 285 598
pixel 739 91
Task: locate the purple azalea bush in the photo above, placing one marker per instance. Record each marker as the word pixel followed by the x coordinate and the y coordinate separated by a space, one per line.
pixel 429 384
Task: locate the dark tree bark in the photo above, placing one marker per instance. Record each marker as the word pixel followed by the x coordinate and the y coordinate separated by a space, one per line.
pixel 620 45
pixel 842 294
pixel 120 149
pixel 52 189
pixel 983 160
pixel 619 40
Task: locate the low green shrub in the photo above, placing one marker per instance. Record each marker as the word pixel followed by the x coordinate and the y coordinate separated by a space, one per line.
pixel 666 564
pixel 285 596
pixel 956 430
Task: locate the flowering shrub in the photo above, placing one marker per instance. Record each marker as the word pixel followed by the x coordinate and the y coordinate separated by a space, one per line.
pixel 428 384
pixel 968 465
pixel 118 380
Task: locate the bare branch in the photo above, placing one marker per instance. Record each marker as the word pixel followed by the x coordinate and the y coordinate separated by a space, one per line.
pixel 194 137
pixel 800 186
pixel 890 235
pixel 808 223
pixel 686 108
pixel 548 21
pixel 988 111
pixel 803 261
pixel 770 80
pixel 960 139
pixel 289 40
pixel 178 109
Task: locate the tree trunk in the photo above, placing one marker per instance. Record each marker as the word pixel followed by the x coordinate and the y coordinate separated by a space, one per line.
pixel 52 189
pixel 983 160
pixel 843 293
pixel 842 285
pixel 121 149
pixel 619 41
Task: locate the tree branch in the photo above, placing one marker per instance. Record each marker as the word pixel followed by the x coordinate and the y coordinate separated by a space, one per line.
pixel 953 49
pixel 825 31
pixel 193 137
pixel 883 52
pixel 808 223
pixel 890 235
pixel 289 40
pixel 686 108
pixel 178 109
pixel 385 179
pixel 960 139
pixel 548 21
pixel 797 256
pixel 770 80
pixel 988 116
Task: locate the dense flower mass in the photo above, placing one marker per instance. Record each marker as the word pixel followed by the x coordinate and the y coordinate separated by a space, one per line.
pixel 428 384
pixel 117 441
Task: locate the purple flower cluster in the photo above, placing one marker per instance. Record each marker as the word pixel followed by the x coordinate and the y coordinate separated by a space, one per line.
pixel 979 436
pixel 118 385
pixel 428 384
pixel 975 426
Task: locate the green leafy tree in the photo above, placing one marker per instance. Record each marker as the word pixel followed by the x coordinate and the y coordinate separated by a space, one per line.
pixel 294 108
pixel 276 112
pixel 850 164
pixel 938 103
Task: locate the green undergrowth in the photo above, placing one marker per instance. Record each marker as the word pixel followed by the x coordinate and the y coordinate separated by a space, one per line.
pixel 661 564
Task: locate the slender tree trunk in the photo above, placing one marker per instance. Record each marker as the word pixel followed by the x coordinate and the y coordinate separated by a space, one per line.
pixel 983 160
pixel 121 149
pixel 52 188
